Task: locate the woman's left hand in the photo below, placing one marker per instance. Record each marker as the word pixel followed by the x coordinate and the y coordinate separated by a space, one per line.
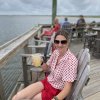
pixel 52 99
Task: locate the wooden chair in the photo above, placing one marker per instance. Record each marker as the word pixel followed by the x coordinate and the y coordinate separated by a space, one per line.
pixel 89 40
pixel 96 48
pixel 82 77
pixel 41 44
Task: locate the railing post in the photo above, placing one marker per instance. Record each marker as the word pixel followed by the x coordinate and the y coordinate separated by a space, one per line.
pixel 2 93
pixel 27 50
pixel 25 75
pixel 54 9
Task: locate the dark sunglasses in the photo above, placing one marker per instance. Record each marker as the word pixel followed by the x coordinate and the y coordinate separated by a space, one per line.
pixel 62 41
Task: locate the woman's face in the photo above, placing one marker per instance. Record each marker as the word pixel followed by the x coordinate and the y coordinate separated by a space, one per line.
pixel 61 43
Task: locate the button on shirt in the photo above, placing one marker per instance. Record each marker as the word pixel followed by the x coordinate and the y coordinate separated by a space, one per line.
pixel 63 71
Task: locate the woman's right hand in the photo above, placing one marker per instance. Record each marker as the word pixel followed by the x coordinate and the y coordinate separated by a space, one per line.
pixel 44 67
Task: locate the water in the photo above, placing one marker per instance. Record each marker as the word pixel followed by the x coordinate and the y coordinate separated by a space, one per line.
pixel 12 26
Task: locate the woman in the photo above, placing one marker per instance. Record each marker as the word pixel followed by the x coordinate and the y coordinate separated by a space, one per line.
pixel 63 67
pixel 51 31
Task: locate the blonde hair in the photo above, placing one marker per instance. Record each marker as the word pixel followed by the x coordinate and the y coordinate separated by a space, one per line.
pixel 56 20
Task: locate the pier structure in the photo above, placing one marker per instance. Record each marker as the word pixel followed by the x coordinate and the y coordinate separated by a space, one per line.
pixel 11 71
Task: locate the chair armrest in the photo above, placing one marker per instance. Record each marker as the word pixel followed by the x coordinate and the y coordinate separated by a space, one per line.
pixel 36 69
pixel 29 55
pixel 26 55
pixel 43 41
pixel 37 46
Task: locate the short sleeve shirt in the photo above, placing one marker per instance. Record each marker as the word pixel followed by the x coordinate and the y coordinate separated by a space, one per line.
pixel 63 71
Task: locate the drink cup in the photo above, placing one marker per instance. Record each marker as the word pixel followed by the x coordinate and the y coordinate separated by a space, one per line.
pixel 36 60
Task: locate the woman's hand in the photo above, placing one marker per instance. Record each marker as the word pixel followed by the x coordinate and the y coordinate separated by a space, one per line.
pixel 44 66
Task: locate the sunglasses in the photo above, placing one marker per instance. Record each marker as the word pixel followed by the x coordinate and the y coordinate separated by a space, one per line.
pixel 62 41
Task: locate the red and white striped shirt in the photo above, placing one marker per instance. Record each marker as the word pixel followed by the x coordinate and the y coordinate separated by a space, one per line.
pixel 63 71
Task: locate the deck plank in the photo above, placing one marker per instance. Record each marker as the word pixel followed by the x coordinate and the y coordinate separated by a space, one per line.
pixel 92 90
pixel 94 97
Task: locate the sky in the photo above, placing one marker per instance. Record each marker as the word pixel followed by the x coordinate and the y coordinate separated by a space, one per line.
pixel 44 7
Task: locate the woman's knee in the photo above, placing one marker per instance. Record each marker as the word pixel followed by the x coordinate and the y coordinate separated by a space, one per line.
pixel 16 97
pixel 37 97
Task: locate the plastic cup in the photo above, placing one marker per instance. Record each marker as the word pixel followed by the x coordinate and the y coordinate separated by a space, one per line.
pixel 36 60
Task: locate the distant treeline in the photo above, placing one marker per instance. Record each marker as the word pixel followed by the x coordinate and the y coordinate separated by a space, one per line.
pixel 79 15
pixel 94 16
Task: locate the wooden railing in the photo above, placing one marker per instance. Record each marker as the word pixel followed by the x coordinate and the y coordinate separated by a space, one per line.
pixel 8 51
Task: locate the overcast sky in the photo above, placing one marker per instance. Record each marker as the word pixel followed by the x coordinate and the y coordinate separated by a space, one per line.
pixel 44 7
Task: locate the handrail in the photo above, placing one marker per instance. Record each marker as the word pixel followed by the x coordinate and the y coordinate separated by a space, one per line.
pixel 8 49
pixel 9 42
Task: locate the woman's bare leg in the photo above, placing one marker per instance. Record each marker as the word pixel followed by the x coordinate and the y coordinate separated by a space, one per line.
pixel 37 97
pixel 29 91
pixel 41 35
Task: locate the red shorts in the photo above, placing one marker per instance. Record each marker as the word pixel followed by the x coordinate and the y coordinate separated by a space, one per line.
pixel 48 92
pixel 48 33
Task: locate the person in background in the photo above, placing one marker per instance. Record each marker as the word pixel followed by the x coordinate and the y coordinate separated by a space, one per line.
pixel 63 71
pixel 80 26
pixel 66 25
pixel 54 29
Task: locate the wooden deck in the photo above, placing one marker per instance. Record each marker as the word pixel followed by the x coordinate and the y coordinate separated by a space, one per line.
pixel 92 90
pixel 7 51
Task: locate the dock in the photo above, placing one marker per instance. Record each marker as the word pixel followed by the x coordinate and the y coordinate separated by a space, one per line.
pixel 10 73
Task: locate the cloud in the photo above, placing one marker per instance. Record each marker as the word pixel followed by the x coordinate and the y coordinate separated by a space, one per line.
pixel 76 7
pixel 38 6
pixel 26 6
pixel 64 7
pixel 80 4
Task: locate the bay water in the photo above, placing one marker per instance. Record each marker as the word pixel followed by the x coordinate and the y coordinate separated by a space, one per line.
pixel 14 25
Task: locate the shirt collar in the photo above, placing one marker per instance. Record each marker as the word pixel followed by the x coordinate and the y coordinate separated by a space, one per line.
pixel 66 54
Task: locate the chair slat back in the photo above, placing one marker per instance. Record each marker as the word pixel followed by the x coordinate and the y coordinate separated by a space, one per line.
pixel 83 61
pixel 81 83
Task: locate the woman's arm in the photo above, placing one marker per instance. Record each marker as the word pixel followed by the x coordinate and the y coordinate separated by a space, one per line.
pixel 66 90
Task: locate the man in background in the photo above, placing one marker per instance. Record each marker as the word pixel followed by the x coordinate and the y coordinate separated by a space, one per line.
pixel 80 26
pixel 66 25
